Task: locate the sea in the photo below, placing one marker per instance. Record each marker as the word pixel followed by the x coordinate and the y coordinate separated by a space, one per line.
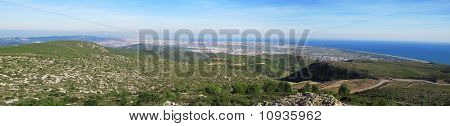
pixel 426 51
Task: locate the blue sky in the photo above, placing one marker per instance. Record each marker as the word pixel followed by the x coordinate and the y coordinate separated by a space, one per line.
pixel 407 20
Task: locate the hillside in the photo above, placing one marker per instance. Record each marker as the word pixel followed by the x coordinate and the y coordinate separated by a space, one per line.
pixel 30 40
pixel 81 73
pixel 322 72
pixel 64 49
pixel 329 71
pixel 404 93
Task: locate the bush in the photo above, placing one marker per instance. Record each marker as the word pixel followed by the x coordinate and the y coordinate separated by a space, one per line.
pixel 70 99
pixel 221 100
pixel 239 88
pixel 41 102
pixel 171 96
pixel 91 101
pixel 344 90
pixel 362 101
pixel 308 88
pixel 285 87
pixel 148 98
pixel 254 89
pixel 121 98
pixel 271 87
pixel 213 89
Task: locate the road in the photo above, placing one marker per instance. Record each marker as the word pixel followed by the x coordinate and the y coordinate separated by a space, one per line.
pixel 335 84
pixel 373 86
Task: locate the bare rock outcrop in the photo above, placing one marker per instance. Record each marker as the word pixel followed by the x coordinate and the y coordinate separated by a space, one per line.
pixel 306 99
pixel 169 103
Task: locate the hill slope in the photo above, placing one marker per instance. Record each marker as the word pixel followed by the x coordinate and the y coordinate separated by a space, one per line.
pixel 405 93
pixel 373 69
pixel 81 73
pixel 55 49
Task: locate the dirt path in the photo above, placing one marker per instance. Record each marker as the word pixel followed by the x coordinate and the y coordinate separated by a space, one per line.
pixel 333 84
pixel 336 84
pixel 382 82
pixel 413 80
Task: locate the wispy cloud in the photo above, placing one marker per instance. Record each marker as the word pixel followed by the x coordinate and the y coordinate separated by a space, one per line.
pixel 261 14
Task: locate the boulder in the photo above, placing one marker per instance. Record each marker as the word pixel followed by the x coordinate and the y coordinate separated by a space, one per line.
pixel 169 103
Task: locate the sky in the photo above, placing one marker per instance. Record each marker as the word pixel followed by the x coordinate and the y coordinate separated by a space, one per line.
pixel 394 20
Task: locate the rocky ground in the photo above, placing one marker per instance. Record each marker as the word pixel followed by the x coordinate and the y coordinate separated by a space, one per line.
pixel 307 99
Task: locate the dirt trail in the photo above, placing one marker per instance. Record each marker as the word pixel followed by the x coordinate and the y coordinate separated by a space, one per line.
pixel 336 84
pixel 333 84
pixel 413 80
pixel 382 82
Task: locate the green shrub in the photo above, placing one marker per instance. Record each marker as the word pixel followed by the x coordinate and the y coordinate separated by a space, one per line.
pixel 271 87
pixel 171 96
pixel 285 87
pixel 91 101
pixel 148 98
pixel 213 89
pixel 41 102
pixel 308 88
pixel 239 88
pixel 254 89
pixel 121 98
pixel 70 99
pixel 221 100
pixel 362 101
pixel 344 90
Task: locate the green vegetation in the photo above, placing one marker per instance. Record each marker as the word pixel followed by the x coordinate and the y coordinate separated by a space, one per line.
pixel 274 66
pixel 239 88
pixel 324 72
pixel 240 94
pixel 79 73
pixel 309 88
pixel 372 69
pixel 410 94
pixel 343 91
pixel 272 87
pixel 62 49
pixel 368 101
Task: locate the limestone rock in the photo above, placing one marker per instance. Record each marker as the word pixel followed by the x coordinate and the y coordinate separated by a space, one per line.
pixel 169 103
pixel 306 99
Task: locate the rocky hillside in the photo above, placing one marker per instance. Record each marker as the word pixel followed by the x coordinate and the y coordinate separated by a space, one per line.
pixel 81 73
pixel 307 99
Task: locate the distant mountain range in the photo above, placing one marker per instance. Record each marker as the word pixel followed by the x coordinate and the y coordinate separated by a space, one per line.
pixel 29 40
